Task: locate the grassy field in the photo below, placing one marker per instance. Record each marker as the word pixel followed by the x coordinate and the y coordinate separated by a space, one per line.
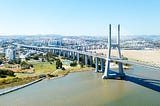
pixel 27 75
pixel 44 67
pixel 47 69
pixel 15 81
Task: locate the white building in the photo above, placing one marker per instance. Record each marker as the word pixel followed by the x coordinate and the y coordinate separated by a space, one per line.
pixel 10 54
pixel 22 57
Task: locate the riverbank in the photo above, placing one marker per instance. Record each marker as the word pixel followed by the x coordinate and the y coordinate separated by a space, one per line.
pixel 63 73
pixel 47 70
pixel 20 87
pixel 59 72
pixel 11 82
pixel 44 69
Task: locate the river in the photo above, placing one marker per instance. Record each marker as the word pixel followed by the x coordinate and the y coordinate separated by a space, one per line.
pixel 89 89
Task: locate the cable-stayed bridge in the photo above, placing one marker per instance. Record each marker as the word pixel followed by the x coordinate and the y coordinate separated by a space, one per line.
pixel 88 57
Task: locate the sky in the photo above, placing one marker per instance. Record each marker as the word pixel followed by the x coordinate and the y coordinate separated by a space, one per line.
pixel 79 17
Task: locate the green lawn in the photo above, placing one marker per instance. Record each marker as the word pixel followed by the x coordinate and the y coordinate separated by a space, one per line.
pixel 44 67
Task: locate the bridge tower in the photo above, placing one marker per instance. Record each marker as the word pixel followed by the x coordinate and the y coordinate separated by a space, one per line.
pixel 108 60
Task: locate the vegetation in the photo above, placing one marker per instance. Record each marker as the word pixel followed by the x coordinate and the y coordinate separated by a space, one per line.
pixel 1 61
pixel 15 81
pixel 25 65
pixel 5 72
pixel 82 64
pixel 44 67
pixel 58 64
pixel 38 66
pixel 27 58
pixel 50 57
pixel 73 64
pixel 16 61
pixel 36 57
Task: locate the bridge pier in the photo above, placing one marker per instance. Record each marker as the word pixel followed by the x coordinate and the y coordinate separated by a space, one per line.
pixel 54 51
pixel 96 65
pixel 73 55
pixel 91 60
pixel 78 57
pixel 64 54
pixel 59 52
pixel 102 65
pixel 86 59
pixel 68 54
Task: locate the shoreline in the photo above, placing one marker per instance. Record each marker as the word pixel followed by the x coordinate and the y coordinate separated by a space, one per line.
pixel 73 71
pixel 56 74
pixel 20 87
pixel 15 88
pixel 66 72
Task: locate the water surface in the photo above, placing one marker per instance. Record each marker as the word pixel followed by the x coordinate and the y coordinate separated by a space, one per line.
pixel 87 89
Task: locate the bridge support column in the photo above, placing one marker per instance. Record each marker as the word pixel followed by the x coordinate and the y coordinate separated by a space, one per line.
pixel 68 54
pixel 78 57
pixel 96 65
pixel 64 54
pixel 86 59
pixel 59 52
pixel 91 60
pixel 102 65
pixel 54 51
pixel 73 55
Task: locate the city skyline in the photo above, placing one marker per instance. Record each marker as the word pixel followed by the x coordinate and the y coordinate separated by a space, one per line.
pixel 74 17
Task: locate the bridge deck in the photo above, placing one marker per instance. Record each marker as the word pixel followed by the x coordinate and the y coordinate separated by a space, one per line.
pixel 131 62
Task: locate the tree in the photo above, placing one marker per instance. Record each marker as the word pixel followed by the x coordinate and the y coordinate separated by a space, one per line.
pixel 74 63
pixel 27 58
pixel 4 72
pixel 25 65
pixel 1 61
pixel 82 64
pixel 18 61
pixel 36 57
pixel 43 60
pixel 58 64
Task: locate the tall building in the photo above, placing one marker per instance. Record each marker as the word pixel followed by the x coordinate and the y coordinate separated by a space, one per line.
pixel 10 54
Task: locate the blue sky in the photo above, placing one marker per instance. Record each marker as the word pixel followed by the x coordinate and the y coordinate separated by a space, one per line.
pixel 79 17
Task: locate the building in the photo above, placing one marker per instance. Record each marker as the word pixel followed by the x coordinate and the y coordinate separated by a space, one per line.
pixel 10 54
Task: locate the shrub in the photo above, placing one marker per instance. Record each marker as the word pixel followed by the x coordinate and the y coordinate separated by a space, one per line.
pixel 25 65
pixel 63 68
pixel 41 76
pixel 27 58
pixel 74 63
pixel 4 72
pixel 58 64
pixel 50 75
pixel 81 64
pixel 36 57
pixel 1 61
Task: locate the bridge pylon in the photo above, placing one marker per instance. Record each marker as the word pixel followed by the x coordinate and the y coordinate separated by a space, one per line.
pixel 108 60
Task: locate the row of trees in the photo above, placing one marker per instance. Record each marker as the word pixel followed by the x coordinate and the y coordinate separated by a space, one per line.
pixel 50 57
